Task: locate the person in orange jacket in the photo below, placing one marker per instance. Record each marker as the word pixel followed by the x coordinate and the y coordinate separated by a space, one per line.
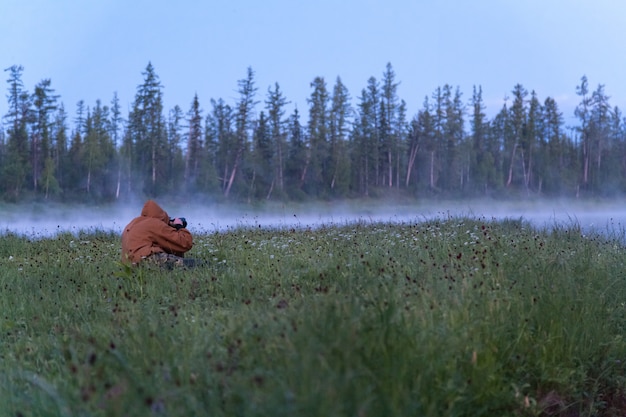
pixel 156 238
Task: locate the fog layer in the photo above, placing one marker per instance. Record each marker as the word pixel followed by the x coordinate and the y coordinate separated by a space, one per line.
pixel 47 220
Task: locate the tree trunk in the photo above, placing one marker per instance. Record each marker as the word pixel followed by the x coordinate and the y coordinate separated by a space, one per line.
pixel 412 156
pixel 510 178
pixel 432 170
pixel 233 172
pixel 280 166
pixel 389 162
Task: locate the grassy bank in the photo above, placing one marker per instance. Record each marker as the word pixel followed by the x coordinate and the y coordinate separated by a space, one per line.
pixel 450 317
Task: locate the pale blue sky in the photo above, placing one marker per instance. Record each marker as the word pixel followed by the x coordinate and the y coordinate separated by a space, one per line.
pixel 93 48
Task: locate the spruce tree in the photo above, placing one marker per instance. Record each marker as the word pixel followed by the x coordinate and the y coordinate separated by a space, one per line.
pixel 115 126
pixel 518 120
pixel 193 153
pixel 17 164
pixel 529 144
pixel 583 112
pixel 339 159
pixel 455 154
pixel 44 104
pixel 148 135
pixel 481 160
pixel 365 138
pixel 275 104
pixel 600 132
pixel 260 168
pixel 297 155
pixel 389 135
pixel 175 160
pixel 60 149
pixel 244 116
pixel 318 175
pixel 221 133
pixel 554 165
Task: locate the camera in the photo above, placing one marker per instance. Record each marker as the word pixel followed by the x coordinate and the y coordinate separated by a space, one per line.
pixel 178 226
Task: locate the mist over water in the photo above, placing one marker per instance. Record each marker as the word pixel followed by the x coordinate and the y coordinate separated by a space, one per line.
pixel 46 220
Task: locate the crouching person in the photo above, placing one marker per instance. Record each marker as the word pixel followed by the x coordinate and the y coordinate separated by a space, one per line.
pixel 155 238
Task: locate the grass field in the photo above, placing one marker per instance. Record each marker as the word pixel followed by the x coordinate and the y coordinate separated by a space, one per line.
pixel 448 317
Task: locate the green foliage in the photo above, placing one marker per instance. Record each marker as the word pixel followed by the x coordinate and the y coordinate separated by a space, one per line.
pixel 454 316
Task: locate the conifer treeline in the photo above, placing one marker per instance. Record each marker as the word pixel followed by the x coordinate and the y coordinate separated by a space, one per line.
pixel 252 150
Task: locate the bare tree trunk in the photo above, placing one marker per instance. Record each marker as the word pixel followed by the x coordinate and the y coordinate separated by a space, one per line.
pixel 366 178
pixel 233 172
pixel 398 170
pixel 153 167
pixel 35 160
pixel 525 172
pixel 390 164
pixel 269 193
pixel 306 166
pixel 280 166
pixel 585 162
pixel 510 178
pixel 432 169
pixel 119 182
pixel 412 156
pixel 129 178
pixel 224 177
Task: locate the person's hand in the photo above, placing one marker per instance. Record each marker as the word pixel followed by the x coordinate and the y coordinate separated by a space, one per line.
pixel 177 223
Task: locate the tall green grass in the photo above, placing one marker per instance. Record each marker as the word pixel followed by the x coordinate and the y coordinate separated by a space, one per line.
pixel 450 317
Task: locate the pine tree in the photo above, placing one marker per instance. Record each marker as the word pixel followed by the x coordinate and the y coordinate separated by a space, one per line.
pixel 389 113
pixel 420 147
pixel 115 127
pixel 481 162
pixel 554 166
pixel 175 160
pixel 60 149
pixel 210 182
pixel 339 159
pixel 616 181
pixel 317 176
pixel 401 128
pixel 582 112
pixel 365 138
pixel 243 122
pixel 599 137
pixel 148 134
pixel 98 153
pixel 438 154
pixel 499 137
pixel 44 102
pixel 297 156
pixel 455 154
pixel 76 175
pixel 518 119
pixel 530 141
pixel 261 172
pixel 17 166
pixel 220 132
pixel 193 152
pixel 275 104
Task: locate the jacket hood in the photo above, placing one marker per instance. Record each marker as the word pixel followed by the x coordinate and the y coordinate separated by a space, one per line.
pixel 152 209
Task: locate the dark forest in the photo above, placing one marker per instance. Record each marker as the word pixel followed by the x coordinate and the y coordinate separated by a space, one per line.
pixel 251 150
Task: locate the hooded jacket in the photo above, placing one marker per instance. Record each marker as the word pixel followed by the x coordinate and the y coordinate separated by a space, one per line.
pixel 151 233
